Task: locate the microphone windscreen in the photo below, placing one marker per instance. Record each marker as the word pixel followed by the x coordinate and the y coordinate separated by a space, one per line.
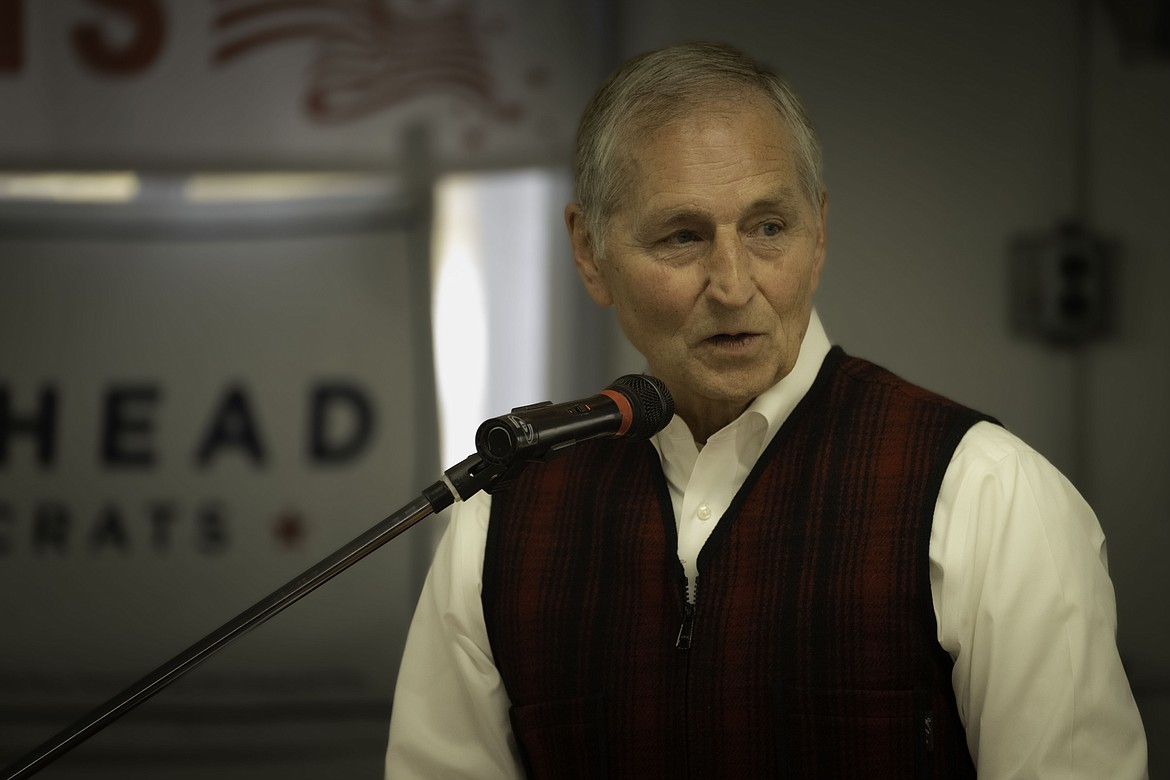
pixel 651 401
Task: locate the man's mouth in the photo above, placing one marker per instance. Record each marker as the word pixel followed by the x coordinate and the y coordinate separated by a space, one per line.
pixel 732 339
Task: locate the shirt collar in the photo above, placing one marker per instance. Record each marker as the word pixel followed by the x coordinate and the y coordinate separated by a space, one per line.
pixel 778 401
pixel 771 407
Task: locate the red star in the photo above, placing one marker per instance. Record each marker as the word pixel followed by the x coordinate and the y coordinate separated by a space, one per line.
pixel 289 528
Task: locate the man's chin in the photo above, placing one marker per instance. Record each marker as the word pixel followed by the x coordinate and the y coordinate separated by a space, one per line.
pixel 733 391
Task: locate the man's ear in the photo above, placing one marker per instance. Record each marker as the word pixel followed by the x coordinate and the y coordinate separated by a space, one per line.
pixel 822 239
pixel 584 258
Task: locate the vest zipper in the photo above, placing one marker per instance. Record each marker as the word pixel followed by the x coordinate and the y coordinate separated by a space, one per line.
pixel 687 630
pixel 686 634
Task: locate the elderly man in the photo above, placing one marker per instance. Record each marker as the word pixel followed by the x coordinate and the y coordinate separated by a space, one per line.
pixel 816 570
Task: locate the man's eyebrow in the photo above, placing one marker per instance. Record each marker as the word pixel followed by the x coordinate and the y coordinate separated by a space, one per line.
pixel 672 215
pixel 785 199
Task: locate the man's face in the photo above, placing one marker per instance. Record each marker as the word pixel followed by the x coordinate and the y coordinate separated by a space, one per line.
pixel 712 261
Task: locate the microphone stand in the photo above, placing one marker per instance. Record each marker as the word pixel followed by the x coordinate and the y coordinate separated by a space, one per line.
pixel 459 482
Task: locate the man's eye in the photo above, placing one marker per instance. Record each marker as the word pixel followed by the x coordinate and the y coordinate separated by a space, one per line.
pixel 683 237
pixel 771 229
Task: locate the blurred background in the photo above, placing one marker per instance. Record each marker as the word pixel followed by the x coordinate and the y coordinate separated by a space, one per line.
pixel 266 264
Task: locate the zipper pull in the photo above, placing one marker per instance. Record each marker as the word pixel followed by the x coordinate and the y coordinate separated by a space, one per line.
pixel 928 731
pixel 687 630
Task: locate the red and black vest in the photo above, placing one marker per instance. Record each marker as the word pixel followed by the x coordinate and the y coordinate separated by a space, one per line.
pixel 811 649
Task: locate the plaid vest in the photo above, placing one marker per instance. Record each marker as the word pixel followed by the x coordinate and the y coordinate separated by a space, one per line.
pixel 811 649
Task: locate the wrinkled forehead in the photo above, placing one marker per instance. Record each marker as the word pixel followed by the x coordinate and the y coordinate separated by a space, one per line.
pixel 735 136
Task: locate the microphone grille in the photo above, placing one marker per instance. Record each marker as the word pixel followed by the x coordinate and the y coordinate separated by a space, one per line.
pixel 653 407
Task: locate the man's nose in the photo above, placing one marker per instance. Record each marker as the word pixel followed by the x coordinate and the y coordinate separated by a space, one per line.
pixel 729 271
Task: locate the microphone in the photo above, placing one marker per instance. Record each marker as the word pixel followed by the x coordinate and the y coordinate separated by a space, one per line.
pixel 635 406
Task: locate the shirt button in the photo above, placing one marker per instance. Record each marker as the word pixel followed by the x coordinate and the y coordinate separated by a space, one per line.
pixel 704 512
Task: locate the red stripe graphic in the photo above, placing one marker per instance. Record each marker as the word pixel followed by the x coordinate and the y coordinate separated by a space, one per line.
pixel 368 56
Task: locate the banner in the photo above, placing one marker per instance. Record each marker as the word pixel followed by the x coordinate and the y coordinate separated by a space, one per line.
pixel 310 83
pixel 192 414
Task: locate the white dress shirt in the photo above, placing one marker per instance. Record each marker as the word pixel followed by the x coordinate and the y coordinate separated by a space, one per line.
pixel 1019 581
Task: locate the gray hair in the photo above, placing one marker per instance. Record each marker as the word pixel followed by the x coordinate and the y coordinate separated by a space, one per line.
pixel 653 89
